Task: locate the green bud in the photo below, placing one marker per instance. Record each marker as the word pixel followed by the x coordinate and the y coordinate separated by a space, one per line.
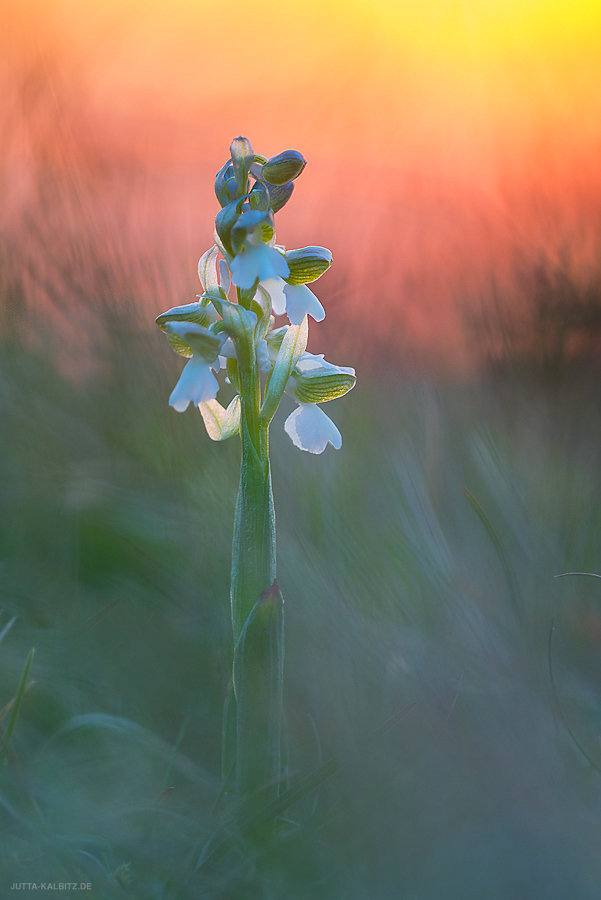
pixel 259 197
pixel 321 386
pixel 225 220
pixel 284 167
pixel 279 195
pixel 243 157
pixel 307 264
pixel 223 183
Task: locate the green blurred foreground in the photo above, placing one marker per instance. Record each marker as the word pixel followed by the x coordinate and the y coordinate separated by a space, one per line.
pixel 417 566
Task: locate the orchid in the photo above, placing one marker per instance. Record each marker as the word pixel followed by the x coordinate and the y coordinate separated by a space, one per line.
pixel 295 300
pixel 313 381
pixel 238 335
pixel 256 260
pixel 196 384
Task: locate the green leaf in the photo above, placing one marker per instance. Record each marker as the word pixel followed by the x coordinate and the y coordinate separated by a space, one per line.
pixel 207 270
pixel 232 372
pixel 262 307
pixel 258 681
pixel 238 321
pixel 292 348
pixel 15 705
pixel 221 423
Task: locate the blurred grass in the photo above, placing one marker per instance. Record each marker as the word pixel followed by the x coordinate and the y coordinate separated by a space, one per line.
pixel 417 566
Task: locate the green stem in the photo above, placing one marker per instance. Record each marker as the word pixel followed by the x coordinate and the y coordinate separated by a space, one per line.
pixel 252 747
pixel 253 552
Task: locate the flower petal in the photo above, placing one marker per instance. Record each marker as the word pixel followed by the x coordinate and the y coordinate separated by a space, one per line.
pixel 300 302
pixel 310 429
pixel 275 289
pixel 258 261
pixel 196 384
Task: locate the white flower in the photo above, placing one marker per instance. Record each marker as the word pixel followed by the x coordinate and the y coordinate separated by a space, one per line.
pixel 300 302
pixel 196 384
pixel 310 429
pixel 255 259
pixel 296 300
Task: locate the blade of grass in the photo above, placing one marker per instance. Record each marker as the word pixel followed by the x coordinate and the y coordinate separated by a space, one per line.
pixel 16 704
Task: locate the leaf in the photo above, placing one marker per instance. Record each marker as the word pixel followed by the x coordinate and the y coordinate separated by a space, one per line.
pixel 221 423
pixel 292 348
pixel 16 703
pixel 207 270
pixel 239 323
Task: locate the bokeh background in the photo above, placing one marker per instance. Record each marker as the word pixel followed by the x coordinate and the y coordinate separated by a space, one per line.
pixel 453 168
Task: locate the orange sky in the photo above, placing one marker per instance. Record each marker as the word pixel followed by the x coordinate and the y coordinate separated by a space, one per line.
pixel 440 136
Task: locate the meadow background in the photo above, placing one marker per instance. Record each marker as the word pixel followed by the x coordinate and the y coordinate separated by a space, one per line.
pixel 433 659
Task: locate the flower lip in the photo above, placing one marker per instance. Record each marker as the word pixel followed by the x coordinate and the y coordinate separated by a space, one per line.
pixel 196 384
pixel 310 429
pixel 300 302
pixel 257 262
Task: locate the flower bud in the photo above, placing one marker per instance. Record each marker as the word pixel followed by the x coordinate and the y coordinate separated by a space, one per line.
pixel 225 182
pixel 242 158
pixel 284 167
pixel 279 195
pixel 307 264
pixel 259 197
pixel 224 222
